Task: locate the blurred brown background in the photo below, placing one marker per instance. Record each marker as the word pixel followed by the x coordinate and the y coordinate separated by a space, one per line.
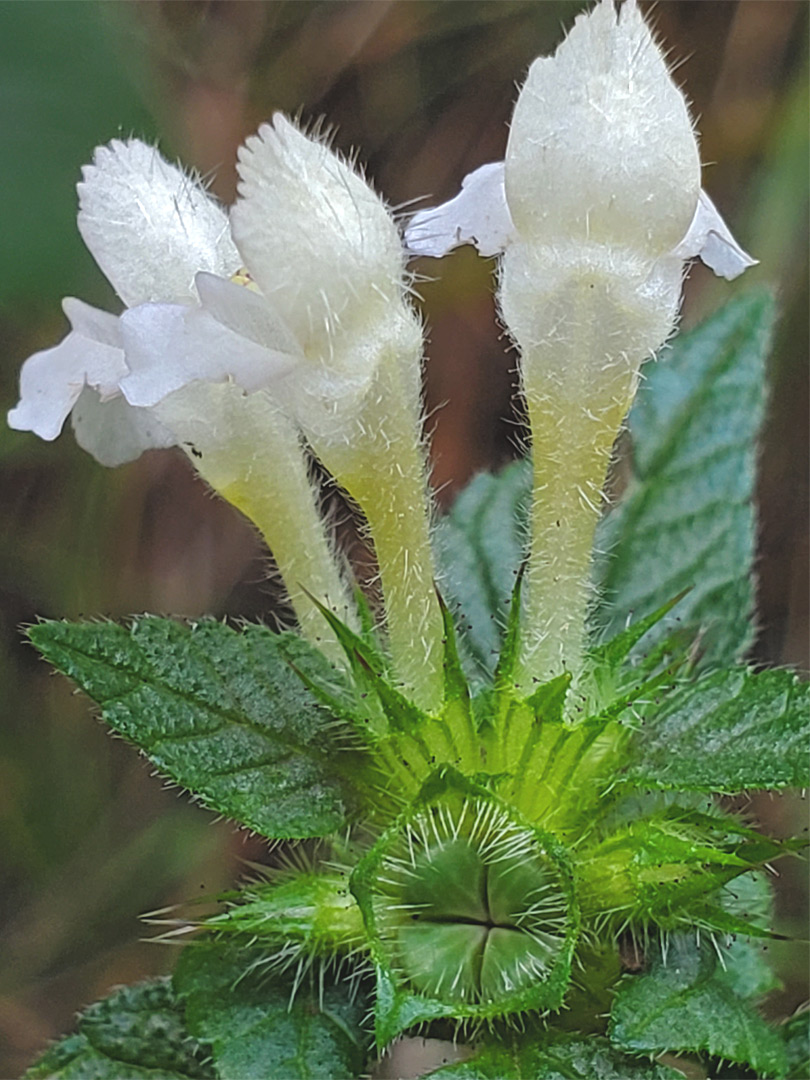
pixel 88 838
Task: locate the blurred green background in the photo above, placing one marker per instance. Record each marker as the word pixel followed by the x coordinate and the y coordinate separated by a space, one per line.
pixel 88 838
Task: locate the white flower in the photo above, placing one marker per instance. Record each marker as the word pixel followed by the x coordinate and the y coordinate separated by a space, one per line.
pixel 595 210
pixel 242 333
pixel 321 256
pixel 174 368
pixel 322 262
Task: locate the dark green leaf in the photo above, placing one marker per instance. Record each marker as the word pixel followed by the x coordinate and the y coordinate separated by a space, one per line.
pixel 479 545
pixel 220 712
pixel 681 1006
pixel 260 1026
pixel 687 519
pixel 137 1033
pixel 555 1059
pixel 745 966
pixel 729 731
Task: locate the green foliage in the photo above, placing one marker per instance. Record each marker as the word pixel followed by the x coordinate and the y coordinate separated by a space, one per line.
pixel 745 966
pixel 687 518
pixel 796 1034
pixel 219 712
pixel 681 1005
pixel 729 731
pixel 137 1033
pixel 263 1023
pixel 554 1059
pixel 479 545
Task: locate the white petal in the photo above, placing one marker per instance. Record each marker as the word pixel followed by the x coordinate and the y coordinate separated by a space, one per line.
pixel 52 380
pixel 601 146
pixel 150 226
pixel 478 215
pixel 246 312
pixel 92 322
pixel 168 346
pixel 115 432
pixel 316 239
pixel 710 239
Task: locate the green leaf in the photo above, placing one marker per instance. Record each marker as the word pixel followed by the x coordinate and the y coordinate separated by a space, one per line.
pixel 137 1033
pixel 729 731
pixel 218 711
pixel 398 1009
pixel 745 967
pixel 611 653
pixel 261 1026
pixel 479 545
pixel 554 1059
pixel 680 1006
pixel 341 697
pixel 688 518
pixel 796 1035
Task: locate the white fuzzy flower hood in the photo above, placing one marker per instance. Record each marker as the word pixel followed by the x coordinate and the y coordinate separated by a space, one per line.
pixel 601 145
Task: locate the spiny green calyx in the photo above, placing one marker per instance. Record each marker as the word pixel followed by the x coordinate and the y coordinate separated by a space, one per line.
pixel 469 906
pixel 308 913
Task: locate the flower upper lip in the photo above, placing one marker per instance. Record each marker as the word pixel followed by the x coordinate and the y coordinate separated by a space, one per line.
pixel 600 146
pixel 150 226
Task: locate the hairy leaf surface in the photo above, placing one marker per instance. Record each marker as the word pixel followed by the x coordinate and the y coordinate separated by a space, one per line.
pixel 681 1006
pixel 554 1059
pixel 796 1034
pixel 137 1033
pixel 746 968
pixel 218 711
pixel 261 1025
pixel 687 519
pixel 729 731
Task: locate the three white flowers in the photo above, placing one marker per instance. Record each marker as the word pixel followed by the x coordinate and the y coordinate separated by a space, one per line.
pixel 288 319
